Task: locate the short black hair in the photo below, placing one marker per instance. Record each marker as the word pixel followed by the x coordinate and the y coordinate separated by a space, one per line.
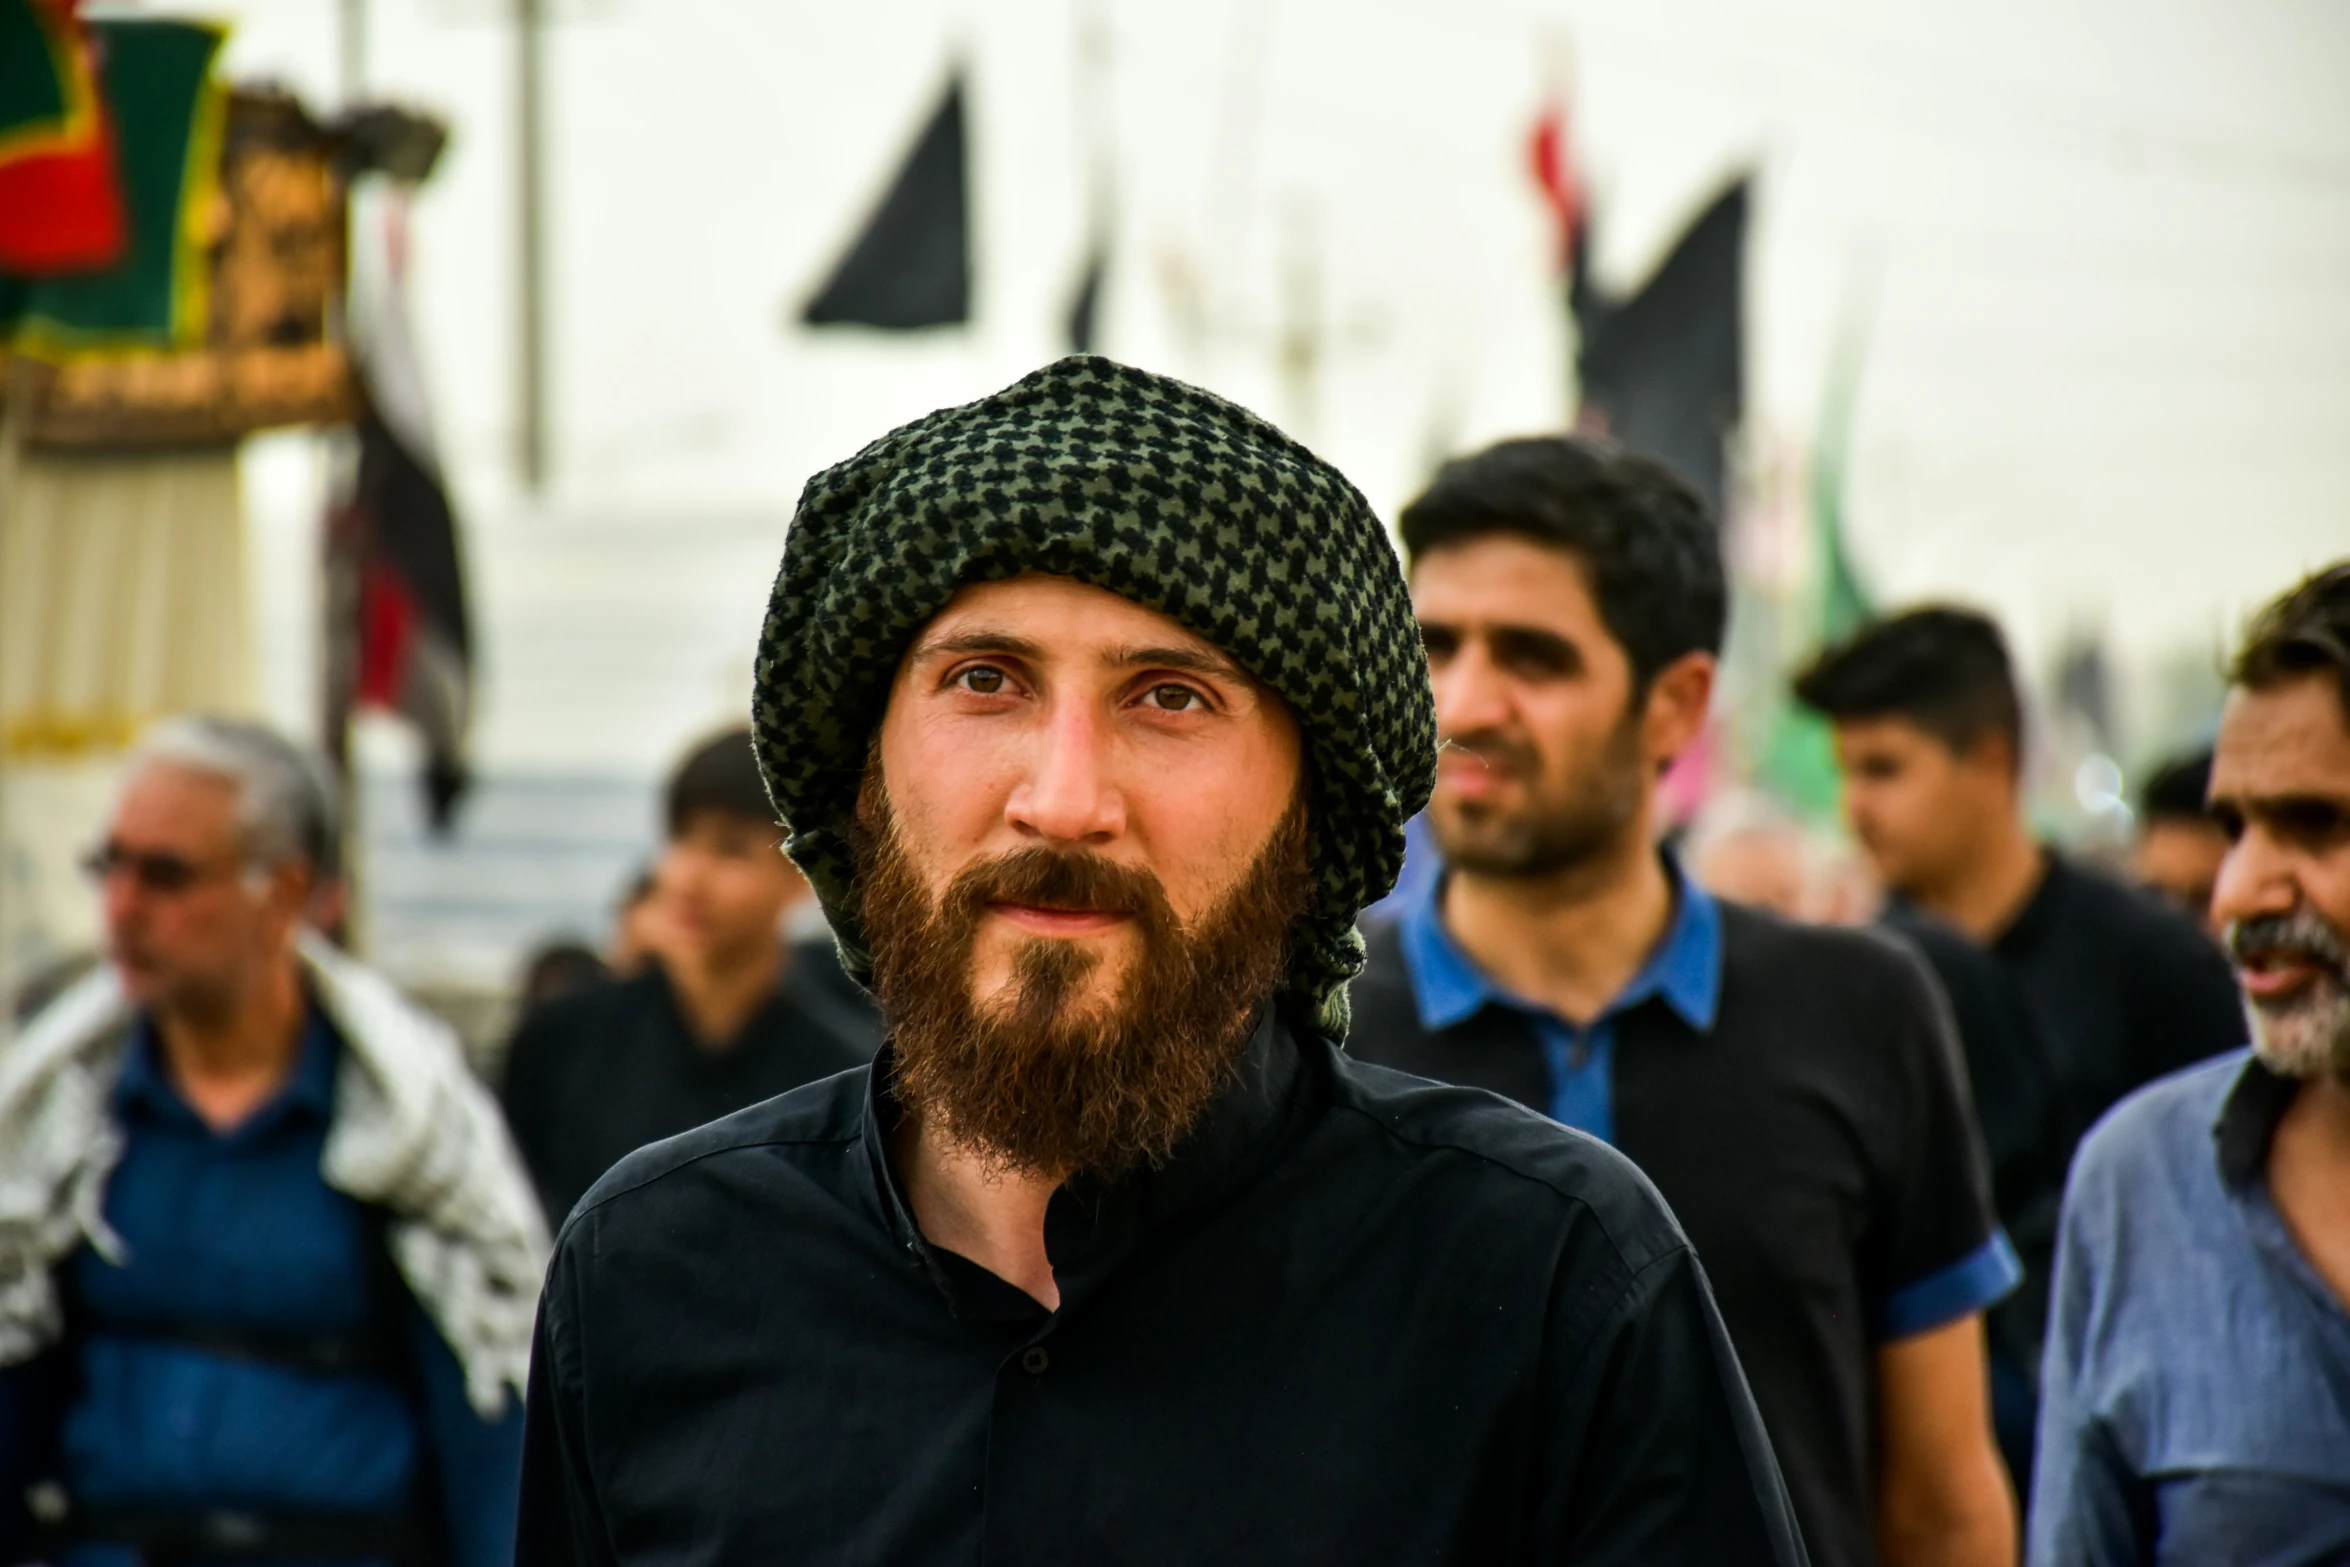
pixel 1653 555
pixel 2175 791
pixel 2306 632
pixel 721 774
pixel 1942 668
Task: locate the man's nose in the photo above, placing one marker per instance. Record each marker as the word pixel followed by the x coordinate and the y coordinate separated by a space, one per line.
pixel 1068 792
pixel 1471 695
pixel 2256 878
pixel 119 898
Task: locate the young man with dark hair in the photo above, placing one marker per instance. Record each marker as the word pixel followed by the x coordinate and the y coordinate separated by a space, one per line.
pixel 1930 740
pixel 1795 1092
pixel 1096 709
pixel 2179 848
pixel 726 1013
pixel 2197 1389
pixel 1929 736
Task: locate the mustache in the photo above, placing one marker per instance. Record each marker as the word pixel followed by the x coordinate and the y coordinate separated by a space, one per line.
pixel 2301 936
pixel 1067 879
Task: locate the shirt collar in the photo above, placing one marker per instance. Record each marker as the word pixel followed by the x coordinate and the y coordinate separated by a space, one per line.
pixel 2248 1120
pixel 1092 1226
pixel 145 1085
pixel 1685 969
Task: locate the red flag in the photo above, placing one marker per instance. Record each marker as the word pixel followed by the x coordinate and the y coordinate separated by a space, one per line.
pixel 61 207
pixel 1550 156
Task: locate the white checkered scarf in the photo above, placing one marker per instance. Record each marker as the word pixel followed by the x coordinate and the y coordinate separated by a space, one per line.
pixel 413 1132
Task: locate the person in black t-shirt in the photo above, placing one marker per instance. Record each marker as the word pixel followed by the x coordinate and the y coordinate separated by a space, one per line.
pixel 1929 737
pixel 724 1015
pixel 1795 1092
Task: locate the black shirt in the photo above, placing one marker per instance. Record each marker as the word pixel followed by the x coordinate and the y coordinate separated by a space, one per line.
pixel 2129 989
pixel 597 1075
pixel 2009 1060
pixel 1815 1143
pixel 1353 1319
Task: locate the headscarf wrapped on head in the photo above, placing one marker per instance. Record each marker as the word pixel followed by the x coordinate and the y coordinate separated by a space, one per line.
pixel 1156 491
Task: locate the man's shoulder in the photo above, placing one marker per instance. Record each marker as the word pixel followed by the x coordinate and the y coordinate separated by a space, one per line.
pixel 1492 1145
pixel 828 1112
pixel 1797 958
pixel 2096 900
pixel 2155 1126
pixel 591 1011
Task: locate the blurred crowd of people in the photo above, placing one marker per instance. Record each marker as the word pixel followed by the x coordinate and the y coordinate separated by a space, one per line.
pixel 2019 1250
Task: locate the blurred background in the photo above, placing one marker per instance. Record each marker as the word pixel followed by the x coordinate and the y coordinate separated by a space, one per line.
pixel 445 390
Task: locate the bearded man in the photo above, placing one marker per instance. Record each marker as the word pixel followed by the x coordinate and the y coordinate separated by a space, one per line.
pixel 1795 1092
pixel 2196 1396
pixel 1095 709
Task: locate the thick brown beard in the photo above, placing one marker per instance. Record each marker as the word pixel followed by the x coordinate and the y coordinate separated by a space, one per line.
pixel 1040 1084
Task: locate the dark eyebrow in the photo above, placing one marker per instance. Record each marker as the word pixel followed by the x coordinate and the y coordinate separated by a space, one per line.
pixel 981 641
pixel 1192 661
pixel 1189 660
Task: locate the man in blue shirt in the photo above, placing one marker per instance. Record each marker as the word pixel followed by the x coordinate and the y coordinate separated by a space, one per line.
pixel 2196 1395
pixel 267 1261
pixel 1794 1092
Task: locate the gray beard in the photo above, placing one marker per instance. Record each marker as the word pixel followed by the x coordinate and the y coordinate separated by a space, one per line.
pixel 2308 1037
pixel 2308 1040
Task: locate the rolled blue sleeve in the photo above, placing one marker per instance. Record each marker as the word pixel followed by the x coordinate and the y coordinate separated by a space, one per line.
pixel 477 1463
pixel 1976 1281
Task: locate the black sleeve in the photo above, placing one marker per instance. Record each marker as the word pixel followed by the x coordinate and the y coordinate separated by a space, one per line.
pixel 2009 1064
pixel 1656 1453
pixel 559 1523
pixel 1935 1251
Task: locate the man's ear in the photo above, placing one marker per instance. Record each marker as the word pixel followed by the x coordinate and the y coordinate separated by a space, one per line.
pixel 1678 699
pixel 1992 751
pixel 288 888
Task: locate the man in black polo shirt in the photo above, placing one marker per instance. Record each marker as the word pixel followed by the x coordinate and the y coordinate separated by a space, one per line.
pixel 1929 737
pixel 726 1014
pixel 1794 1092
pixel 1113 1256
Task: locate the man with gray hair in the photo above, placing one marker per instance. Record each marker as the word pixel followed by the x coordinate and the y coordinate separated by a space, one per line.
pixel 2196 1400
pixel 267 1260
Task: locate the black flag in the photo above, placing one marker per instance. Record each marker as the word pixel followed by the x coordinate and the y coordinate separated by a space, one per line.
pixel 1664 370
pixel 1085 305
pixel 400 635
pixel 911 265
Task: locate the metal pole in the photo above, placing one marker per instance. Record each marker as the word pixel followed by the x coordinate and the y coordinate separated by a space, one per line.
pixel 530 313
pixel 351 43
pixel 15 416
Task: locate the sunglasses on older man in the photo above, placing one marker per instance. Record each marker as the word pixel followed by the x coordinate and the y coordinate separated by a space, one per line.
pixel 157 871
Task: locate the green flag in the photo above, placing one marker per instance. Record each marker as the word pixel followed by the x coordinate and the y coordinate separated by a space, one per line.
pixel 168 117
pixel 1798 761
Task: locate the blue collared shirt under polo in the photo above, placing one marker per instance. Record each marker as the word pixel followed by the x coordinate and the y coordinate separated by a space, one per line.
pixel 1685 971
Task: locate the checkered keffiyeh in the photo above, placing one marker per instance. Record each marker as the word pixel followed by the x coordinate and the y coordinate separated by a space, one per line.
pixel 1156 491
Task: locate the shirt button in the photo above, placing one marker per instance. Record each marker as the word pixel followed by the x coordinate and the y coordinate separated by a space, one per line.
pixel 1034 1360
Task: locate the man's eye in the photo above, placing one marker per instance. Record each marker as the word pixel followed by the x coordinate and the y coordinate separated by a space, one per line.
pixel 982 681
pixel 1174 699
